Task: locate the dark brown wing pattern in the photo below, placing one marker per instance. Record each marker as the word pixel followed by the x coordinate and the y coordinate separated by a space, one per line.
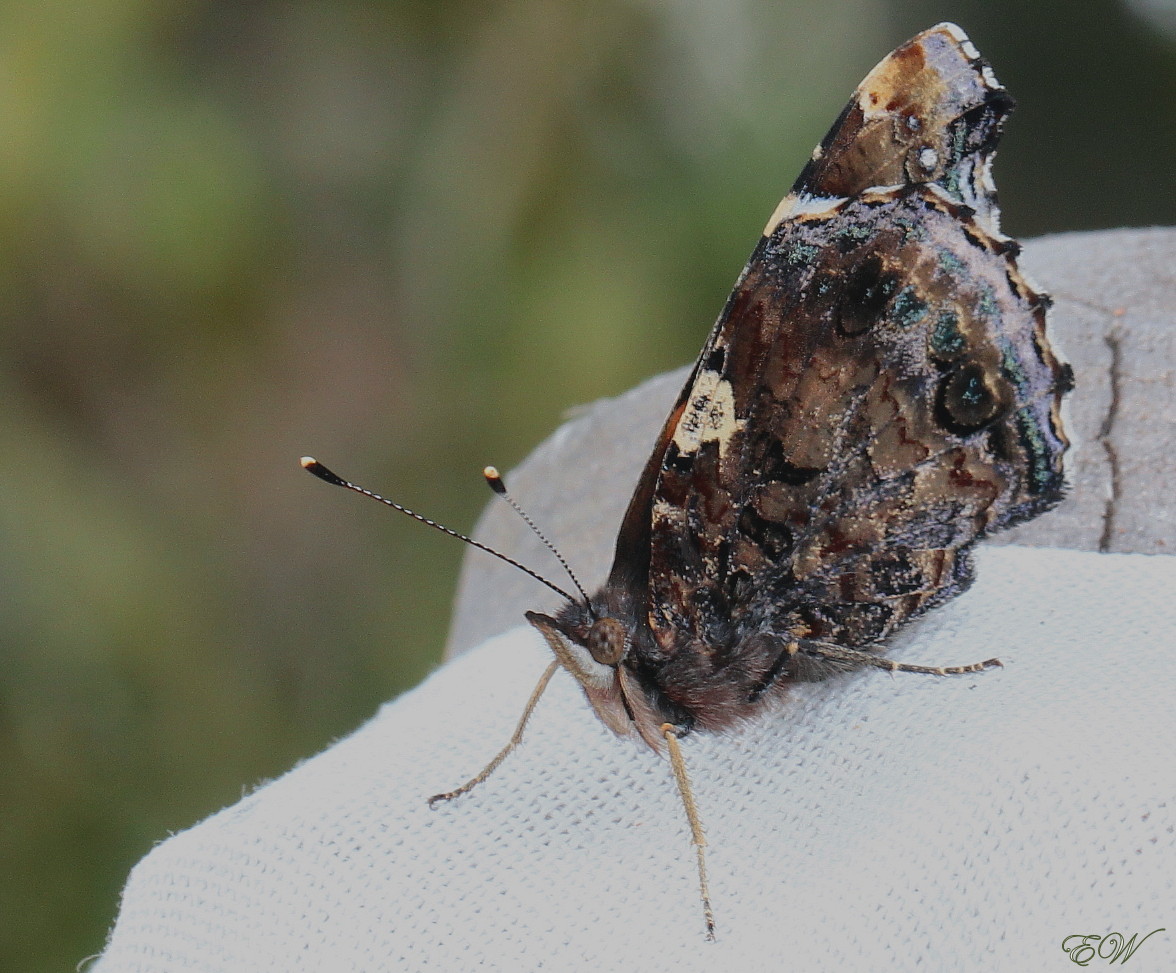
pixel 877 395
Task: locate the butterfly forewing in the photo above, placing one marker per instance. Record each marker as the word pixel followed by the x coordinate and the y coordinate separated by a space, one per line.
pixel 931 111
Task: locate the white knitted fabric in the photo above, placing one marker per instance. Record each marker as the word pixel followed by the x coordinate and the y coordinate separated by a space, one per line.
pixel 876 822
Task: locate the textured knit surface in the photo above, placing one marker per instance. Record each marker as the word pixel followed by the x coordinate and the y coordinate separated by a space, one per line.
pixel 876 822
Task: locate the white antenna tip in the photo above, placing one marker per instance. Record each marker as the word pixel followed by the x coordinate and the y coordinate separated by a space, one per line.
pixel 494 480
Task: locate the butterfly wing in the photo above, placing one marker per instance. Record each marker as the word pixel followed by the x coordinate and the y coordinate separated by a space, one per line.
pixel 931 111
pixel 877 395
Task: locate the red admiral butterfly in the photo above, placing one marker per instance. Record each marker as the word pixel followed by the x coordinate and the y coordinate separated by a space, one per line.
pixel 877 395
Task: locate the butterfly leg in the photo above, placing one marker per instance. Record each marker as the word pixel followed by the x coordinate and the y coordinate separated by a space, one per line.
pixel 696 833
pixel 838 657
pixel 502 754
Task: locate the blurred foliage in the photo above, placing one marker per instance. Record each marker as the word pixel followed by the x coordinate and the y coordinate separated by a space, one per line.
pixel 404 236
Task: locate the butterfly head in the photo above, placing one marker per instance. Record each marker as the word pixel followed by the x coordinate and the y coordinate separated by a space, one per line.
pixel 593 648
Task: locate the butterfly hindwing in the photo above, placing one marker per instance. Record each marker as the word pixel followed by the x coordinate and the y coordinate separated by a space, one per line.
pixel 858 420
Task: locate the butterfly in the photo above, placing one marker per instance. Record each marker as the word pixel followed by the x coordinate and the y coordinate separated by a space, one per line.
pixel 877 395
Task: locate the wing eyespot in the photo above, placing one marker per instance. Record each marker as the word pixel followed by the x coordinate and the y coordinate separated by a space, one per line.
pixel 968 400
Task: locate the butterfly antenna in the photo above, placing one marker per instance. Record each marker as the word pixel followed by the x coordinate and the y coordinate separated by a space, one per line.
pixel 494 479
pixel 311 465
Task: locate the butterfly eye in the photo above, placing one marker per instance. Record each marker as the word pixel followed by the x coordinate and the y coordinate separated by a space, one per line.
pixel 606 641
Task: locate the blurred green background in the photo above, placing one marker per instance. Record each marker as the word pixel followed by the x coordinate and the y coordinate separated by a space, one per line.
pixel 404 237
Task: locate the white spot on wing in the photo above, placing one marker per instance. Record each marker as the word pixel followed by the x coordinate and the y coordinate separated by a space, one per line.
pixel 709 415
pixel 957 34
pixel 869 104
pixel 985 175
pixel 794 205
